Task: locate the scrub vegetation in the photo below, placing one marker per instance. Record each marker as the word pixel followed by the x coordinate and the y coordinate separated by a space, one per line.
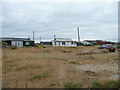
pixel 58 67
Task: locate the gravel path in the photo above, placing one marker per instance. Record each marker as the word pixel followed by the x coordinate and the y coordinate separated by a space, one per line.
pixel 101 67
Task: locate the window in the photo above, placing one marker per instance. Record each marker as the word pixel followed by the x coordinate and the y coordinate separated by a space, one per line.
pixel 20 43
pixel 63 43
pixel 13 43
pixel 55 43
pixel 27 43
pixel 17 43
pixel 71 42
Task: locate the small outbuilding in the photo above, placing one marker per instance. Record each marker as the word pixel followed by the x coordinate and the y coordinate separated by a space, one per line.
pixel 66 42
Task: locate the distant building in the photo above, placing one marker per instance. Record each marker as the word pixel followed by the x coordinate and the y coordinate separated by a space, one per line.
pixel 99 42
pixel 17 41
pixel 45 43
pixel 85 43
pixel 66 42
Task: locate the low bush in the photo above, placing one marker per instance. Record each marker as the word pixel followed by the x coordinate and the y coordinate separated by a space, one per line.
pixel 96 85
pixel 64 51
pixel 38 77
pixel 105 51
pixel 29 67
pixel 73 62
pixel 3 45
pixel 41 46
pixel 12 47
pixel 106 84
pixel 73 47
pixel 72 85
pixel 118 47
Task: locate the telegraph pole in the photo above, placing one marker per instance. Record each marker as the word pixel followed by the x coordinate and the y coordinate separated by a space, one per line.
pixel 40 39
pixel 54 37
pixel 54 40
pixel 78 35
pixel 33 35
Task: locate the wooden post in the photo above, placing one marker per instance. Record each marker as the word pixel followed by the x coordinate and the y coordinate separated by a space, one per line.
pixel 16 83
pixel 26 85
pixel 91 53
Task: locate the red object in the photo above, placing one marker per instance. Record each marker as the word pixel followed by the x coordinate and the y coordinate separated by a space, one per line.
pixel 98 42
pixel 110 47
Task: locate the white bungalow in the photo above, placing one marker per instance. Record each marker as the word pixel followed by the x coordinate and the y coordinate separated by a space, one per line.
pixel 66 42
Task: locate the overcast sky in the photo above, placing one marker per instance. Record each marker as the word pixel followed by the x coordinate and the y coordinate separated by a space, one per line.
pixel 96 20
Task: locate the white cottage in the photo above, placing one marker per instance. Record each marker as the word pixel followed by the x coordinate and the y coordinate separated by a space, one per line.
pixel 66 42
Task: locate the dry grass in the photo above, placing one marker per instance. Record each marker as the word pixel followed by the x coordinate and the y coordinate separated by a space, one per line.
pixel 48 67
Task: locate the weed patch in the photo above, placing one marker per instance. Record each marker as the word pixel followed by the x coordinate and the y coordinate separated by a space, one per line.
pixel 106 84
pixel 28 67
pixel 38 77
pixel 12 47
pixel 72 85
pixel 64 51
pixel 104 51
pixel 118 47
pixel 41 46
pixel 73 62
pixel 73 47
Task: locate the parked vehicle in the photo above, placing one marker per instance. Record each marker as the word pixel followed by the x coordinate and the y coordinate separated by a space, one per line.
pixel 110 47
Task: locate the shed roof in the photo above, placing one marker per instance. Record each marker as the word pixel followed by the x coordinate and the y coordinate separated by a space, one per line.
pixel 20 39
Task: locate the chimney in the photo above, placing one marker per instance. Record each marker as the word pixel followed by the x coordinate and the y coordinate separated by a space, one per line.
pixel 54 37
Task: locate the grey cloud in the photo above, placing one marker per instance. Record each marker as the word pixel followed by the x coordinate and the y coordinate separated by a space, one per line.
pixel 61 19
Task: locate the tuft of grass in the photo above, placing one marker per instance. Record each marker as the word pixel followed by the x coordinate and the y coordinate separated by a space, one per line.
pixel 106 84
pixel 111 84
pixel 9 70
pixel 96 84
pixel 35 67
pixel 52 84
pixel 22 68
pixel 12 47
pixel 41 46
pixel 73 62
pixel 64 51
pixel 38 77
pixel 118 47
pixel 73 47
pixel 28 67
pixel 105 51
pixel 72 85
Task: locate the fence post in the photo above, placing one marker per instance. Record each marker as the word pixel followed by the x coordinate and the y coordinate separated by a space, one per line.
pixel 16 83
pixel 26 85
pixel 91 53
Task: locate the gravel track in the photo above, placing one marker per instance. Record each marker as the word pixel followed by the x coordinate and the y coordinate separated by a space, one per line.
pixel 101 67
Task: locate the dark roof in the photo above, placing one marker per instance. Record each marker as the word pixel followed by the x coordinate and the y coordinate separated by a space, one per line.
pixel 9 39
pixel 96 41
pixel 92 40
